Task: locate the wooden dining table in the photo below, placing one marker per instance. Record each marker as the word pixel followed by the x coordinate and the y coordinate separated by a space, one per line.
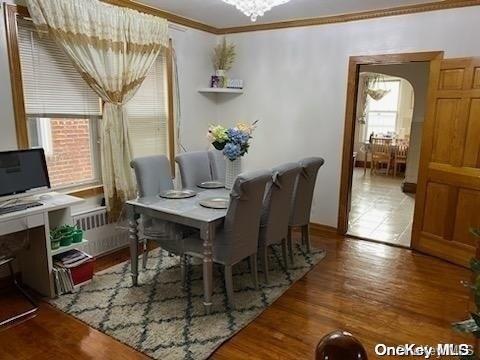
pixel 186 212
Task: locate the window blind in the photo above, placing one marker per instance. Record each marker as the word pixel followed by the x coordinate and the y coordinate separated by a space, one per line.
pixel 148 113
pixel 51 85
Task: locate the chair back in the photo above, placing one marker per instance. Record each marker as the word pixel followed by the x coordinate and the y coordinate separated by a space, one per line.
pixel 217 165
pixel 401 151
pixel 153 174
pixel 242 220
pixel 194 168
pixel 302 202
pixel 277 204
pixel 381 147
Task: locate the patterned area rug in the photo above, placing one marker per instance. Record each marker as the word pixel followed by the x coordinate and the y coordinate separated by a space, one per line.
pixel 166 321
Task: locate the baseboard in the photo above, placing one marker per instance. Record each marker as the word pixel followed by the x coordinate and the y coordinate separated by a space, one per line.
pixel 323 230
pixel 410 188
pixel 361 164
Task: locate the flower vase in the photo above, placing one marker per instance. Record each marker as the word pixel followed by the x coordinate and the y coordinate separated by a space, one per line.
pixel 222 75
pixel 232 170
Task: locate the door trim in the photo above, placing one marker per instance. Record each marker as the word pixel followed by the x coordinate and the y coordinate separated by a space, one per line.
pixel 350 115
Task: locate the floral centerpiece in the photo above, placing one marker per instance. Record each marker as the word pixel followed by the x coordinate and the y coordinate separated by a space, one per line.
pixel 234 143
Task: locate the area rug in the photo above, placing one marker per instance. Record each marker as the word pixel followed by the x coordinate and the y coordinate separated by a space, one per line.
pixel 166 321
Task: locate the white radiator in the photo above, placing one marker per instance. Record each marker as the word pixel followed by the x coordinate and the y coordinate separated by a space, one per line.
pixel 102 236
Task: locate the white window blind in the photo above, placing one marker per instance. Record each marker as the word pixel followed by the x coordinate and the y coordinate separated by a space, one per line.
pixel 51 85
pixel 148 113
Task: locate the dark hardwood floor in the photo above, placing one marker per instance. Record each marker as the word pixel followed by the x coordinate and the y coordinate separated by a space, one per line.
pixel 379 293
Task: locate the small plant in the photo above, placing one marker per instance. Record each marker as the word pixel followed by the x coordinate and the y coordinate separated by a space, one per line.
pixel 223 56
pixel 472 325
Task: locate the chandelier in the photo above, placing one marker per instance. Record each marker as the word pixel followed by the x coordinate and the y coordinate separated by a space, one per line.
pixel 255 8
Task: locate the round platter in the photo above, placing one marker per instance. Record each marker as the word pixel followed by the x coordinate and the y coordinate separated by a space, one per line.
pixel 211 185
pixel 215 203
pixel 177 194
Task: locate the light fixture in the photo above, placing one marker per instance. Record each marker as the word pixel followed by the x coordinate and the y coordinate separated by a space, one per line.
pixel 255 8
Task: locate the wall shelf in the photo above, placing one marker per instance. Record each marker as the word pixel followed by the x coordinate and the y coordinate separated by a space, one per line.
pixel 220 91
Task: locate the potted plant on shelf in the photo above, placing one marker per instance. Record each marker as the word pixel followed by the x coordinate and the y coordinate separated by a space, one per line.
pixel 223 58
pixel 472 325
pixel 234 143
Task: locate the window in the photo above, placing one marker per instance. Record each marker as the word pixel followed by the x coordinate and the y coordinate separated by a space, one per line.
pixel 382 114
pixel 148 113
pixel 62 112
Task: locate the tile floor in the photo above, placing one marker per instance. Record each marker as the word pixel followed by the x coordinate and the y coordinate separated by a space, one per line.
pixel 380 210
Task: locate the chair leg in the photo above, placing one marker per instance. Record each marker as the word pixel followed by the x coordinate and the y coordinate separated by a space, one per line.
pixel 284 253
pixel 229 284
pixel 145 254
pixel 290 244
pixel 306 236
pixel 264 255
pixel 253 269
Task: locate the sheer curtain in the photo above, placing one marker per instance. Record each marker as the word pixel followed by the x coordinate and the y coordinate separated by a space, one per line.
pixel 113 48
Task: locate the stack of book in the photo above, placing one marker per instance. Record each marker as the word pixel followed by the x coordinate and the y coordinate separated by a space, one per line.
pixel 71 268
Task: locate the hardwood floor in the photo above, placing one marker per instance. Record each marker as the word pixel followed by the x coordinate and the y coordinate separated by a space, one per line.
pixel 379 293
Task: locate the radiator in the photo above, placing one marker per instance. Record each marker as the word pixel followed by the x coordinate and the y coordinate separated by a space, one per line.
pixel 103 236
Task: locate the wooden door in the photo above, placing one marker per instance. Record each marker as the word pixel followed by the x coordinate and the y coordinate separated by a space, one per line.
pixel 448 192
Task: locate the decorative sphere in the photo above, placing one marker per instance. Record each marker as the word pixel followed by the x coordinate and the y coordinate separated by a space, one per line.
pixel 340 345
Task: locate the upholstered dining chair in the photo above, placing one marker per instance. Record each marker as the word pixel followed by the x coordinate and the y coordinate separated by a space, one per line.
pixel 276 212
pixel 237 239
pixel 217 165
pixel 302 200
pixel 194 168
pixel 10 246
pixel 153 175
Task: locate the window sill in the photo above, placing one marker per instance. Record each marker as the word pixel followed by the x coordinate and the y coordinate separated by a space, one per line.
pixel 85 191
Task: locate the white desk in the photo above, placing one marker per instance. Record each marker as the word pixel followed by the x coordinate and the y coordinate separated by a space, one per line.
pixel 36 261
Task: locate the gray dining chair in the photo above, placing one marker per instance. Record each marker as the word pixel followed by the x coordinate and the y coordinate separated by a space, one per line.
pixel 276 212
pixel 237 239
pixel 194 168
pixel 153 174
pixel 217 165
pixel 302 200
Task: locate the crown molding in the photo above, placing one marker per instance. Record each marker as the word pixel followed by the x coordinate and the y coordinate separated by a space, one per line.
pixel 325 20
pixel 402 10
pixel 177 19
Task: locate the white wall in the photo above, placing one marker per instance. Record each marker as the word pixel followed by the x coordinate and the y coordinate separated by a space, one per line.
pixel 296 81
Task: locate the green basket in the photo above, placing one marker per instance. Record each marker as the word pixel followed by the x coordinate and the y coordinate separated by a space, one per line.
pixel 77 236
pixel 55 244
pixel 66 240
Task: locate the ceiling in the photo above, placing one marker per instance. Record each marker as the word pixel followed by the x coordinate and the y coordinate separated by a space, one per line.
pixel 218 14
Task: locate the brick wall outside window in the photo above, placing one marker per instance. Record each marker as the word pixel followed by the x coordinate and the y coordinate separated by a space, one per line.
pixel 71 158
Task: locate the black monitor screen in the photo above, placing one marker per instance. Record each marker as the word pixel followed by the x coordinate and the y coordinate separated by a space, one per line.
pixel 22 170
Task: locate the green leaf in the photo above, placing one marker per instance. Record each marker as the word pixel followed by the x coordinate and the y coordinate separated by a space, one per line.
pixel 476 318
pixel 475 265
pixel 468 357
pixel 475 232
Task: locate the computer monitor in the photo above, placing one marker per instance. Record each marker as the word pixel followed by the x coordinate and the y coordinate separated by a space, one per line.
pixel 22 171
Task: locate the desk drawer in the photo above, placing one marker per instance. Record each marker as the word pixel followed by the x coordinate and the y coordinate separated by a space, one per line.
pixel 21 224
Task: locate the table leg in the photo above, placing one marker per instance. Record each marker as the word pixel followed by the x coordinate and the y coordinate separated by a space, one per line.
pixel 133 237
pixel 208 235
pixel 365 162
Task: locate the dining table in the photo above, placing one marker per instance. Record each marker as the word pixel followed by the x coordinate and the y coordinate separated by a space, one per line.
pixel 187 212
pixel 366 148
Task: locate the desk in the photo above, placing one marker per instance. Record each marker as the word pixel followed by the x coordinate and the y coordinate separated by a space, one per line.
pixel 36 261
pixel 185 212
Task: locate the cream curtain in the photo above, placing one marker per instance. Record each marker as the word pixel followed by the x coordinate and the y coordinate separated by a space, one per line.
pixel 113 48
